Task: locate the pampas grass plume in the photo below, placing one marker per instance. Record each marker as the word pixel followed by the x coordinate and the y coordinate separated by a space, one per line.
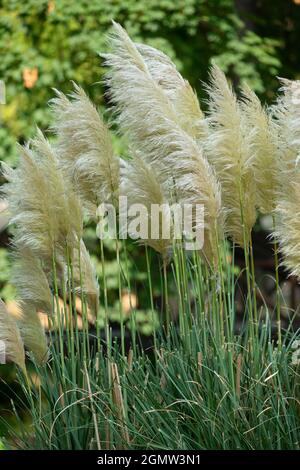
pixel 44 210
pixel 30 280
pixel 263 144
pixel 32 332
pixel 141 185
pixel 178 90
pixel 85 149
pixel 86 279
pixel 229 153
pixel 10 335
pixel 287 115
pixel 145 110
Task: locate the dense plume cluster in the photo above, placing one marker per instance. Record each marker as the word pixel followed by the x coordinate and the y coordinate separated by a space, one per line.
pixel 151 104
pixel 237 159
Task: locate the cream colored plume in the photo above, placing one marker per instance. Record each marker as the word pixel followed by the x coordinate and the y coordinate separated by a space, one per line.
pixel 85 278
pixel 287 115
pixel 11 338
pixel 178 90
pixel 85 149
pixel 153 75
pixel 288 227
pixel 30 280
pixel 33 333
pixel 141 105
pixel 198 185
pixel 44 209
pixel 263 141
pixel 148 117
pixel 34 295
pixel 141 185
pixel 231 156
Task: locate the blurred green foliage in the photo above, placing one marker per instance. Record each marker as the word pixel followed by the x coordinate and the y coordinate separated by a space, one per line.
pixel 48 43
pixel 6 289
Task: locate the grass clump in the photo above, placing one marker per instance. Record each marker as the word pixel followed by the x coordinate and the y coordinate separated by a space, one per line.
pixel 202 383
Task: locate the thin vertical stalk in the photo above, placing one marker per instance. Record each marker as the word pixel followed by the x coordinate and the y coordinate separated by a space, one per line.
pixel 199 293
pixel 184 279
pixel 231 290
pixel 94 415
pixel 132 311
pixel 70 326
pixel 253 283
pixel 105 301
pixel 107 331
pixel 151 297
pixel 182 327
pixel 82 301
pixel 121 315
pixel 278 311
pixel 166 296
pixel 247 267
pixel 59 323
pixel 222 296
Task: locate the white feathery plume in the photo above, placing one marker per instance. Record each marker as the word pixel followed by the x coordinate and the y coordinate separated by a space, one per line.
pixel 287 115
pixel 263 142
pixel 29 206
pixel 194 183
pixel 30 280
pixel 148 117
pixel 228 151
pixel 32 332
pixel 35 295
pixel 198 185
pixel 141 185
pixel 68 208
pixel 178 90
pixel 85 278
pixel 10 336
pixel 43 207
pixel 141 105
pixel 288 226
pixel 85 149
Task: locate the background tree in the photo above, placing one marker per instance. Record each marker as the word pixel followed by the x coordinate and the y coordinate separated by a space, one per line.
pixel 48 43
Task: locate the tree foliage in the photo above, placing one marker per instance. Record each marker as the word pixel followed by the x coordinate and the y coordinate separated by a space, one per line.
pixel 48 43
